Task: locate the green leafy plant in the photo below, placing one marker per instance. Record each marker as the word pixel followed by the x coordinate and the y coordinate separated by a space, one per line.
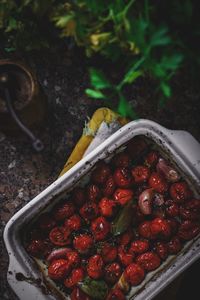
pixel 154 38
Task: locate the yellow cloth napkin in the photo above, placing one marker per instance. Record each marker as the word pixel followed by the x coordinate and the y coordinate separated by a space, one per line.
pixel 100 115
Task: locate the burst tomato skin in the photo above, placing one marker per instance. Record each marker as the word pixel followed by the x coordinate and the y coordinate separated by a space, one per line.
pixel 134 274
pixel 148 260
pixel 174 245
pixel 122 177
pixel 73 258
pixel 116 294
pixel 101 173
pixel 64 211
pixel 109 186
pixel 112 272
pixel 58 269
pixel 107 207
pixel 140 174
pixel 60 236
pixel 125 257
pixel 139 246
pixel 93 192
pixel 171 208
pixel 144 230
pixel 108 252
pixel 161 249
pixel 77 294
pixel 78 196
pixel 73 223
pixel 158 183
pixel 122 160
pixel 89 211
pixel 160 228
pixel 95 266
pixel 151 159
pixel 100 228
pixel 123 196
pixel 76 276
pixel 83 243
pixel 179 192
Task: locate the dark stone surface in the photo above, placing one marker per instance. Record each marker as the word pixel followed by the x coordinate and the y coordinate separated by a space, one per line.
pixel 63 76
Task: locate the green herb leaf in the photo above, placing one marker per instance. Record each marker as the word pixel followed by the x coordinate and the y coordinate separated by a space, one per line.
pixel 95 94
pixel 123 220
pixel 160 37
pixel 98 79
pixel 131 76
pixel 97 289
pixel 166 89
pixel 124 108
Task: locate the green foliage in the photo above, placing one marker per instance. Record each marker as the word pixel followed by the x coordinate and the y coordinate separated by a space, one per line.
pixel 141 36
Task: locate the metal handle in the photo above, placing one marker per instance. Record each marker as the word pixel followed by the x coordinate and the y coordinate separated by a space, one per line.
pixel 36 143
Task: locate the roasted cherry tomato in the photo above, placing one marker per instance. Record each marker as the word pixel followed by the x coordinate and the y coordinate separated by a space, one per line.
pixel 122 160
pixel 116 294
pixel 134 274
pixel 73 223
pixel 172 208
pixel 180 192
pixel 136 147
pixel 160 228
pixel 73 258
pixel 100 228
pixel 190 210
pixel 59 269
pixel 122 177
pixel 112 272
pixel 151 159
pixel 76 276
pixel 83 243
pixel 139 246
pixel 140 174
pixel 107 207
pixel 64 211
pixel 161 249
pixel 158 183
pixel 109 186
pixel 60 236
pixel 77 294
pixel 174 245
pixel 122 196
pixel 95 266
pixel 46 222
pixel 125 257
pixel 149 261
pixel 93 192
pixel 126 237
pixel 188 230
pixel 79 196
pixel 144 230
pixel 108 252
pixel 101 173
pixel 173 225
pixel 36 248
pixel 89 211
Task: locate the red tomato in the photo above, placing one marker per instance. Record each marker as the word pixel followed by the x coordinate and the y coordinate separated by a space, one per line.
pixel 126 237
pixel 112 273
pixel 60 236
pixel 64 211
pixel 180 192
pixel 174 245
pixel 77 294
pixel 158 183
pixel 109 186
pixel 122 196
pixel 89 211
pixel 139 246
pixel 36 248
pixel 160 228
pixel 76 276
pixel 95 266
pixel 73 258
pixel 122 177
pixel 101 173
pixel 73 223
pixel 58 269
pixel 149 261
pixel 100 228
pixel 161 249
pixel 172 209
pixel 83 243
pixel 79 196
pixel 116 294
pixel 107 207
pixel 188 230
pixel 151 159
pixel 93 192
pixel 134 274
pixel 140 174
pixel 125 257
pixel 108 252
pixel 144 230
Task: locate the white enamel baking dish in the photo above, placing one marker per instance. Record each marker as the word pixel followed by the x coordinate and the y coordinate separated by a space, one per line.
pixel 23 274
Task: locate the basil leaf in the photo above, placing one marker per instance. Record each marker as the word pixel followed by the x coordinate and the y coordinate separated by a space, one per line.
pixel 123 220
pixel 96 289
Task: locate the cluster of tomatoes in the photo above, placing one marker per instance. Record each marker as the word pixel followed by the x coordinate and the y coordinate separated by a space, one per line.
pixel 76 239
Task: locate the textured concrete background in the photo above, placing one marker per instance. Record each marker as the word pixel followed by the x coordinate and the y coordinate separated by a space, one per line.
pixel 24 174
